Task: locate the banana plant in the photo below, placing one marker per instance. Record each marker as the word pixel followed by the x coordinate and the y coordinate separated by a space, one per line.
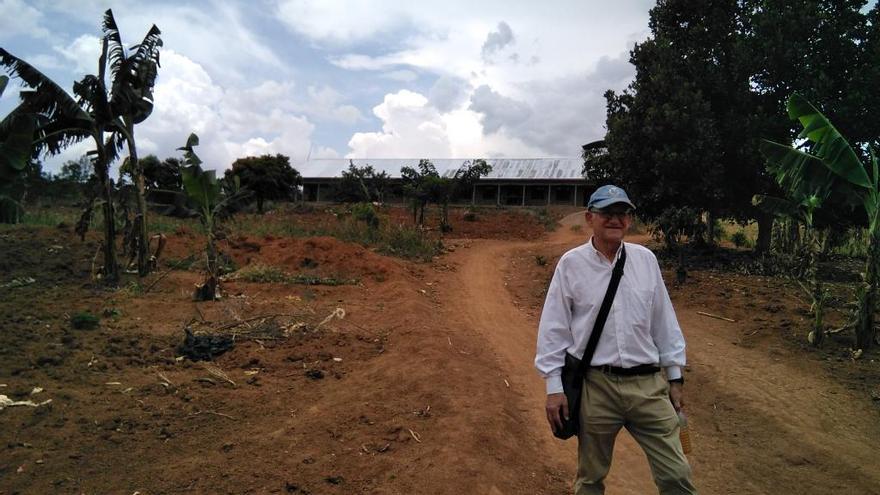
pixel 16 137
pixel 206 192
pixel 15 145
pixel 831 168
pixel 802 210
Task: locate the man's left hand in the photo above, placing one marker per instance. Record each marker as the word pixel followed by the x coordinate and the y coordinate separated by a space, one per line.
pixel 676 395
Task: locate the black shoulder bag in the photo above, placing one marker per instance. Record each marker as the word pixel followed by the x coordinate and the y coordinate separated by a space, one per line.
pixel 574 369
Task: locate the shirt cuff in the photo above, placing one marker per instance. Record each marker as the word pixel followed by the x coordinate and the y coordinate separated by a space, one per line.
pixel 673 372
pixel 554 384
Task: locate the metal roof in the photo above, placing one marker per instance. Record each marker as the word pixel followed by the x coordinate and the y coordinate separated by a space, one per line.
pixel 502 168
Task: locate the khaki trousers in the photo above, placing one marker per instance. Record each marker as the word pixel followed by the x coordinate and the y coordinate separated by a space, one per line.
pixel 641 404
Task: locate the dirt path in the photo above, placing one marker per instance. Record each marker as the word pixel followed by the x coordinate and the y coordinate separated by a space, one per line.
pixel 762 419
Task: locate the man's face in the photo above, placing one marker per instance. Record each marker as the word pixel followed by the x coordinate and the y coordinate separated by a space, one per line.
pixel 611 223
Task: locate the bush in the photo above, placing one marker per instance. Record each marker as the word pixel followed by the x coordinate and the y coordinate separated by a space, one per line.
pixel 364 212
pixel 10 210
pixel 84 321
pixel 739 239
pixel 408 242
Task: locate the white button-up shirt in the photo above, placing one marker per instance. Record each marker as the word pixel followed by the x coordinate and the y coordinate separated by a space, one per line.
pixel 641 327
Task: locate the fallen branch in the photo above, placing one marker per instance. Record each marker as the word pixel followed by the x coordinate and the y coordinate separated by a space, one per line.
pixel 716 317
pixel 239 323
pixel 214 413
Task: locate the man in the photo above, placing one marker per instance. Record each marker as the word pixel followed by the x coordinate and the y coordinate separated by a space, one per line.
pixel 623 385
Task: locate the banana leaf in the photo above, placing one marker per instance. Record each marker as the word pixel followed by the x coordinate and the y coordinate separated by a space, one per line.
pixel 829 145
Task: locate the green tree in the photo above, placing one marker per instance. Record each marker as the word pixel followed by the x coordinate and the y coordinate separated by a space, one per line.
pixel 76 171
pixel 447 188
pixel 162 175
pixel 419 185
pixel 709 84
pixel 362 185
pixel 268 177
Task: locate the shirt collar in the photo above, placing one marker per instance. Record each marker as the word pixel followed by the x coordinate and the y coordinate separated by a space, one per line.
pixel 593 249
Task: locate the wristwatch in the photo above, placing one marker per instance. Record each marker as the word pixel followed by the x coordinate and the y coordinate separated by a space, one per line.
pixel 677 380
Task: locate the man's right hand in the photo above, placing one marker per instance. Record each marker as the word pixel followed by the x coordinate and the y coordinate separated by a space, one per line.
pixel 557 409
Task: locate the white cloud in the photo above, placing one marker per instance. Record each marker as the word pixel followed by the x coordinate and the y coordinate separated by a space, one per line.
pixel 18 18
pixel 498 110
pixel 83 52
pixel 402 75
pixel 412 128
pixel 448 93
pixel 559 115
pixel 497 40
pixel 339 21
pixel 231 123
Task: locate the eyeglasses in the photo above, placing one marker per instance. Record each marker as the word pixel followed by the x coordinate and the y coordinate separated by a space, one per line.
pixel 615 212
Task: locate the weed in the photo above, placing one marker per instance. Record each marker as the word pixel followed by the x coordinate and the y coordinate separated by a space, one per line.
pixel 577 228
pixel 306 280
pixel 180 263
pixel 134 288
pixel 261 273
pixel 544 217
pixel 409 242
pixel 84 321
pixel 540 260
pixel 470 215
pixel 308 263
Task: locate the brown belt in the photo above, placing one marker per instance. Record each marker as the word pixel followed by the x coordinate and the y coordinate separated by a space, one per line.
pixel 642 369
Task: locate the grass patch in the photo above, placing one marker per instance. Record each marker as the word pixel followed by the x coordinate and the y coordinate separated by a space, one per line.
pixel 409 242
pixel 84 321
pixel 544 217
pixel 261 273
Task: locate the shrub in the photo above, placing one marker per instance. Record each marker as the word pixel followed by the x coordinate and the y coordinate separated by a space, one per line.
pixel 364 212
pixel 739 239
pixel 84 321
pixel 259 272
pixel 408 242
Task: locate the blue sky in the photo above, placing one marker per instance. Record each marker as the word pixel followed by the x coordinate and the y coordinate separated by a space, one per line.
pixel 356 78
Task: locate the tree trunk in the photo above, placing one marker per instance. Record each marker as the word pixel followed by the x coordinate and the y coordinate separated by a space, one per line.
pixel 444 218
pixel 260 205
pixel 111 270
pixel 141 234
pixel 868 294
pixel 765 233
pixel 209 290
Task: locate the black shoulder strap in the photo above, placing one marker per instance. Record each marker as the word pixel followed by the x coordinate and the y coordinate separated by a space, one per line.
pixel 616 275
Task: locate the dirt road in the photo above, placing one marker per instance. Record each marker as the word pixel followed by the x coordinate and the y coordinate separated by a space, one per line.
pixel 763 419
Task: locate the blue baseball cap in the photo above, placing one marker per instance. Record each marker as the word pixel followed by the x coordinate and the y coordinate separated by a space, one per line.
pixel 608 195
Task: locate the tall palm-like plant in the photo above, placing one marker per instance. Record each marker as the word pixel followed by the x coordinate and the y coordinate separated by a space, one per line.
pixel 831 168
pixel 105 115
pixel 133 76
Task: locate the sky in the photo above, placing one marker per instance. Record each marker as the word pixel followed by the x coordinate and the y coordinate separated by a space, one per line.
pixel 353 78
